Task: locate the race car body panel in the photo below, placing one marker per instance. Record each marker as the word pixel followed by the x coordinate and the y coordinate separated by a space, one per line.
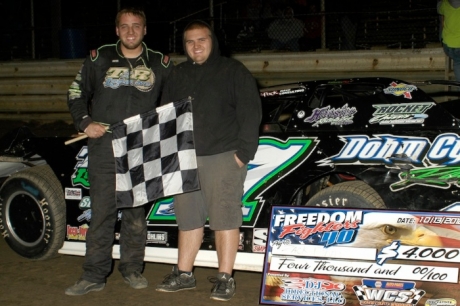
pixel 384 138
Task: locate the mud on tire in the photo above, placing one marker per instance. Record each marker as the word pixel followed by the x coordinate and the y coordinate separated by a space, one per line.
pixel 32 213
pixel 347 194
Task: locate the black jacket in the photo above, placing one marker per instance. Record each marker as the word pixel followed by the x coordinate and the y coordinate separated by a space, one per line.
pixel 109 88
pixel 226 103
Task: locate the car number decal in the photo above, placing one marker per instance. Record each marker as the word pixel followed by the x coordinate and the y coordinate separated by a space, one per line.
pixel 80 176
pixel 274 160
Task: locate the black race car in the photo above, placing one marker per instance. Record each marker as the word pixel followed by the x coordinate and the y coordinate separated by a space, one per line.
pixel 369 143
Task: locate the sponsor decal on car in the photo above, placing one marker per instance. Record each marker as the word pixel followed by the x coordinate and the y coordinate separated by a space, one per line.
pixel 73 193
pixel 259 240
pixel 434 164
pixel 269 93
pixel 281 92
pixel 437 177
pixel 85 216
pixel 332 116
pixel 291 91
pixel 393 149
pixel 85 203
pixel 400 89
pixel 241 242
pixel 404 113
pixel 157 237
pixel 77 233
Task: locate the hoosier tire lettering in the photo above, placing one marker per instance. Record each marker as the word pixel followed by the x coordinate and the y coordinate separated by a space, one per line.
pixel 348 194
pixel 32 212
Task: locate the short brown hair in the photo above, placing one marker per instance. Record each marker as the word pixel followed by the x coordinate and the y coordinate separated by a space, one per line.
pixel 133 11
pixel 198 24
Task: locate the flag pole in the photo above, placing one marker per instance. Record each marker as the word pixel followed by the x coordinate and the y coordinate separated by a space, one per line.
pixel 78 138
pixel 81 136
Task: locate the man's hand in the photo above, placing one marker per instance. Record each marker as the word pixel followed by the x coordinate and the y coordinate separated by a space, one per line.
pixel 238 161
pixel 95 130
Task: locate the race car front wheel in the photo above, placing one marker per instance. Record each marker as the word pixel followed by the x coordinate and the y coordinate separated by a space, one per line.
pixel 32 212
pixel 349 194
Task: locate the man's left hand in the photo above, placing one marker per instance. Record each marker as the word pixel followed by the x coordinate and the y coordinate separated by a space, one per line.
pixel 238 161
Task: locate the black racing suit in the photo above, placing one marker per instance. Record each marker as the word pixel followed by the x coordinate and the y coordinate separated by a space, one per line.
pixel 108 89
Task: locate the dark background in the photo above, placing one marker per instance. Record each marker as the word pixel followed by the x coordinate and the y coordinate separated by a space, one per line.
pixel 68 29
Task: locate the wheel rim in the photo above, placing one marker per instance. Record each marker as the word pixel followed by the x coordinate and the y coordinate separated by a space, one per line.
pixel 25 218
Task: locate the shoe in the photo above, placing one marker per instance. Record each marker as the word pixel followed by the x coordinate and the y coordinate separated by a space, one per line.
pixel 136 280
pixel 176 282
pixel 224 287
pixel 83 286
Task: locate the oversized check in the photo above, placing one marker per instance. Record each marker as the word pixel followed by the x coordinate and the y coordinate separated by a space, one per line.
pixel 319 256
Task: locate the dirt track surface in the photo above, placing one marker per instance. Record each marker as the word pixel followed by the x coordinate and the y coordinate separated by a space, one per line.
pixel 26 282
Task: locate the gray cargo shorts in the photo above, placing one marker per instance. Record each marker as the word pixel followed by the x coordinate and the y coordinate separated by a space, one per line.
pixel 219 198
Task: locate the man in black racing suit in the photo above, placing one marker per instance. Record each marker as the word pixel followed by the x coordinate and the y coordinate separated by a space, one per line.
pixel 115 82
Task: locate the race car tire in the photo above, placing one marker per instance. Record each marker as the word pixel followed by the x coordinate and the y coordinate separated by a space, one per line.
pixel 356 194
pixel 33 213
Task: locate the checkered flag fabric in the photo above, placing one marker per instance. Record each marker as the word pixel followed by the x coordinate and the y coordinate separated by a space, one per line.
pixel 155 154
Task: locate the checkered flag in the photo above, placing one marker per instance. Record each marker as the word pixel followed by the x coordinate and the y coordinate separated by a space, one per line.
pixel 360 292
pixel 416 296
pixel 155 154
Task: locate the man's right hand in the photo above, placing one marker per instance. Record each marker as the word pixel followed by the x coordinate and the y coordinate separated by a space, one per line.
pixel 95 130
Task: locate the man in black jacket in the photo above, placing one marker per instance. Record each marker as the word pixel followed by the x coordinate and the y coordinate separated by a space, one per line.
pixel 116 82
pixel 226 118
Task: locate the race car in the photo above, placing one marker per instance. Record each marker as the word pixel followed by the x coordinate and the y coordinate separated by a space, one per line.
pixel 362 142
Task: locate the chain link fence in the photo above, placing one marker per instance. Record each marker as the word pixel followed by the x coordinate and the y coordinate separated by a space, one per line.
pixel 241 26
pixel 315 27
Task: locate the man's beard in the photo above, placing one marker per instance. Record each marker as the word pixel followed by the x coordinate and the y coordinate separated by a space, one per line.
pixel 131 47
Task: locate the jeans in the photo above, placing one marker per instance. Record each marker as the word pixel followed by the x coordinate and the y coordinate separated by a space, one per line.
pixel 454 54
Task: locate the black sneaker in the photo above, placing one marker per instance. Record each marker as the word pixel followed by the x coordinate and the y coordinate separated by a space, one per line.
pixel 176 282
pixel 136 280
pixel 224 287
pixel 83 286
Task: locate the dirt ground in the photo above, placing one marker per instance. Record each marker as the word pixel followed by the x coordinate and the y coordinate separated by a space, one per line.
pixel 27 282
